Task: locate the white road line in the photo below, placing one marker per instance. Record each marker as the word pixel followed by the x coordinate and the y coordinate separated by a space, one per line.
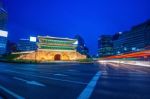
pixel 30 82
pixel 42 72
pixel 86 93
pixel 73 70
pixel 11 93
pixel 76 82
pixel 60 75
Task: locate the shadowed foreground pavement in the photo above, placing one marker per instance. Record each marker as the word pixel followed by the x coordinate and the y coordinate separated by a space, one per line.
pixel 73 80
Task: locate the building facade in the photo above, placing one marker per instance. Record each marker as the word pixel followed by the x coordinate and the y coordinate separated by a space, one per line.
pixel 81 47
pixel 11 47
pixel 3 32
pixel 3 42
pixel 26 45
pixel 105 45
pixel 3 17
pixel 137 39
pixel 54 49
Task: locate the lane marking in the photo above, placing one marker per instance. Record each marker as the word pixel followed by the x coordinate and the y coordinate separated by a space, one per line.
pixel 73 70
pixel 11 93
pixel 52 73
pixel 76 82
pixel 86 93
pixel 60 75
pixel 30 82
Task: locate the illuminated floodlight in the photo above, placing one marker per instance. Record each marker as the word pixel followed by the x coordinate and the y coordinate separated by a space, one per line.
pixel 75 43
pixel 118 52
pixel 32 39
pixel 125 48
pixel 3 33
pixel 133 48
pixel 120 32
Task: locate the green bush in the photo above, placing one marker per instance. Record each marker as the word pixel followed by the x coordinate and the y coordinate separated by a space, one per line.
pixel 24 61
pixel 86 60
pixel 11 56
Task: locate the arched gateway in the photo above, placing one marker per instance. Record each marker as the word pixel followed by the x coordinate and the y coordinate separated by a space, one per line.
pixel 54 49
pixel 57 57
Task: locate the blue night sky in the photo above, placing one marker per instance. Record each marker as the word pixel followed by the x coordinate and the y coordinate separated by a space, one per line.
pixel 66 18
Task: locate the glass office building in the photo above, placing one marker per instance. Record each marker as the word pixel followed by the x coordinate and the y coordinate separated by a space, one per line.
pixel 137 39
pixel 26 45
pixel 105 45
pixel 3 17
pixel 3 41
pixel 3 32
pixel 81 47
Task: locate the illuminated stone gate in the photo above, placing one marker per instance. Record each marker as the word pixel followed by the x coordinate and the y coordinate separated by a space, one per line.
pixel 54 49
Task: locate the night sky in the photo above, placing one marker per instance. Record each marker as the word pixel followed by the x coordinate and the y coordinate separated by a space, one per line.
pixel 66 18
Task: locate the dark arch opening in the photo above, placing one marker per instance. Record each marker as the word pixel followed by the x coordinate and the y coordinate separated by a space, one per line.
pixel 57 57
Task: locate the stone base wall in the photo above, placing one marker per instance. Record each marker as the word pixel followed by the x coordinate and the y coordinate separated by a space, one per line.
pixel 50 56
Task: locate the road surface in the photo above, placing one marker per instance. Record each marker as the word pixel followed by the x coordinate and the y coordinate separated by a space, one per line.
pixel 74 81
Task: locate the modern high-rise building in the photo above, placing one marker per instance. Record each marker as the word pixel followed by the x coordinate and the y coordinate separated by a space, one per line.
pixel 105 45
pixel 26 45
pixel 137 39
pixel 3 31
pixel 3 17
pixel 3 41
pixel 81 47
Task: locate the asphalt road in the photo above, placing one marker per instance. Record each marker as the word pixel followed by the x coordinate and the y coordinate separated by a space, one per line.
pixel 74 81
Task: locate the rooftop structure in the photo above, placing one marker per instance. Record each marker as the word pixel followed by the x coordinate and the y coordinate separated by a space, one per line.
pixel 56 43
